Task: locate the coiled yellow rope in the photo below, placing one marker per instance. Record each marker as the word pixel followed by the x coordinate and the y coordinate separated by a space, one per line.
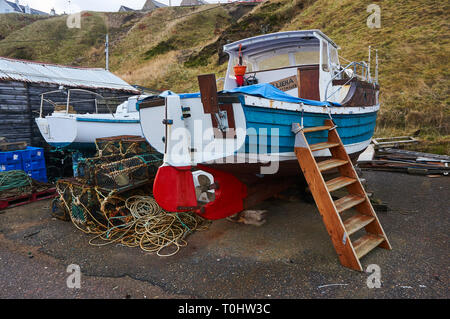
pixel 148 226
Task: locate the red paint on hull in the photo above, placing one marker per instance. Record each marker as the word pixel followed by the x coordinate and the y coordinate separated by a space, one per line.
pixel 230 196
pixel 174 189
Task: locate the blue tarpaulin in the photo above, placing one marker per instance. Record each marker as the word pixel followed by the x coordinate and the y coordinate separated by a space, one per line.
pixel 268 91
pixel 264 90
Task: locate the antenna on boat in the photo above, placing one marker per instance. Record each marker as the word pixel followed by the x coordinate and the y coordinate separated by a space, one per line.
pixel 376 66
pixel 368 68
pixel 107 52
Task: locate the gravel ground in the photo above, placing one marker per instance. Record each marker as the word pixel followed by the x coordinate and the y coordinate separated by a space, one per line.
pixel 291 256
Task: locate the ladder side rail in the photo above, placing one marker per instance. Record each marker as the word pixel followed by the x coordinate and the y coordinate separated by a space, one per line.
pixel 348 170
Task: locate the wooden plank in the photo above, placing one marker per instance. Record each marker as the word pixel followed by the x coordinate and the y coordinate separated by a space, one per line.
pixel 348 202
pixel 366 244
pixel 330 164
pixel 208 92
pixel 316 129
pixel 339 182
pixel 357 222
pixel 322 146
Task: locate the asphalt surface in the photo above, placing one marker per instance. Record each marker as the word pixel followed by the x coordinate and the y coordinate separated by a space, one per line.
pixel 291 256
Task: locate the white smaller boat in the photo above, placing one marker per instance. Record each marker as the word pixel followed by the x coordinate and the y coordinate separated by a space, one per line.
pixel 64 129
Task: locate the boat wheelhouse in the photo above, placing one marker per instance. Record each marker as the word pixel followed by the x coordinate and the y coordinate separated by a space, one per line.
pixel 304 64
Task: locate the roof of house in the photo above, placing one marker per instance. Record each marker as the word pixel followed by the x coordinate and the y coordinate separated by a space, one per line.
pixel 37 72
pixel 14 6
pixel 21 8
pixel 193 2
pixel 124 8
pixel 152 4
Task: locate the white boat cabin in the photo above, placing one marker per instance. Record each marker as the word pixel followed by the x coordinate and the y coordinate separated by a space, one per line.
pixel 280 58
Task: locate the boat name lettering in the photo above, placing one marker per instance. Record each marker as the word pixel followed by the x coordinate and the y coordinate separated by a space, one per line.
pixel 286 84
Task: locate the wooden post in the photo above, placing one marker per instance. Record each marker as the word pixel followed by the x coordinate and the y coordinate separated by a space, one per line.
pixel 208 92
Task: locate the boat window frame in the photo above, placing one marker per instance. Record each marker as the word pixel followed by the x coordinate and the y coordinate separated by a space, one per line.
pixel 324 66
pixel 290 50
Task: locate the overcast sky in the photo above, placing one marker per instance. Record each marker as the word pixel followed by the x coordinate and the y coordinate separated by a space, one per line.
pixel 93 5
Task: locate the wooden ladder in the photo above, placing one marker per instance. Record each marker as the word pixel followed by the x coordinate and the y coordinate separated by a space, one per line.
pixel 349 251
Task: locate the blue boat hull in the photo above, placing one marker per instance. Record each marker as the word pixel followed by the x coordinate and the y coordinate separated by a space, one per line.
pixel 352 128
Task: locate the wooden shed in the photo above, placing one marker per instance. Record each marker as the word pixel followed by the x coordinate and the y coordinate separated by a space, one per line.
pixel 23 82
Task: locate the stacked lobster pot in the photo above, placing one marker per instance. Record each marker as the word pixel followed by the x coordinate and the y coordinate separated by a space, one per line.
pixel 123 165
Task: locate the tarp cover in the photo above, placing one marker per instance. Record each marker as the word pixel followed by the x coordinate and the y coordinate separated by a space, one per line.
pixel 264 90
pixel 270 92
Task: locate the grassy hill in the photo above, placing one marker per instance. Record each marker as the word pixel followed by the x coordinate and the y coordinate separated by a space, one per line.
pixel 169 47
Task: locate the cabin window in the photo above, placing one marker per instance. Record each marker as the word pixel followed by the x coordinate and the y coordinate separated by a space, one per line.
pixel 325 56
pixel 274 62
pixel 307 57
pixel 334 57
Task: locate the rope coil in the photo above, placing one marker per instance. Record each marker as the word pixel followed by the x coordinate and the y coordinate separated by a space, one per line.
pixel 145 224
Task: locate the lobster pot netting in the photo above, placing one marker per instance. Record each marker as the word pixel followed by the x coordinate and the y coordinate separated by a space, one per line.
pixel 127 173
pixel 87 166
pixel 123 145
pixel 79 201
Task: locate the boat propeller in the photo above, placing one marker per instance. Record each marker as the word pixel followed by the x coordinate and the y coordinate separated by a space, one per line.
pixel 203 191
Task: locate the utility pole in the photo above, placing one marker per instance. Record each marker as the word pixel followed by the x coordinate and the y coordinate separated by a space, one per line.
pixel 107 52
pixel 368 70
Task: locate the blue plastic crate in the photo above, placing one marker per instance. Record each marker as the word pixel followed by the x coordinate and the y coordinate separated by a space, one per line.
pixel 38 174
pixel 10 167
pixel 11 157
pixel 33 164
pixel 36 153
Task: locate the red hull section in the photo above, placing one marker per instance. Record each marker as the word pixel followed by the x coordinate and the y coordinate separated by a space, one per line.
pixel 174 189
pixel 230 195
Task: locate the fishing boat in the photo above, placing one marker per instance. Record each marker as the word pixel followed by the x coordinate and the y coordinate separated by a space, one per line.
pixel 242 136
pixel 65 129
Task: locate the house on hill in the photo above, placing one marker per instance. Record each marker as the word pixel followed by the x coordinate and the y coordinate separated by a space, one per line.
pixel 151 5
pixel 125 9
pixel 16 7
pixel 22 83
pixel 193 2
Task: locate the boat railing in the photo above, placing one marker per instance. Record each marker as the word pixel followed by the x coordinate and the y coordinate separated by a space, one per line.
pixel 353 66
pixel 68 93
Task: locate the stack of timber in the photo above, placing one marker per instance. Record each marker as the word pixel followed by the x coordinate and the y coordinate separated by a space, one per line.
pixel 399 160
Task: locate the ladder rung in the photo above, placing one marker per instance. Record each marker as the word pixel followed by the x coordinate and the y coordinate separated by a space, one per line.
pixel 329 164
pixel 339 182
pixel 357 222
pixel 366 243
pixel 317 129
pixel 348 202
pixel 322 146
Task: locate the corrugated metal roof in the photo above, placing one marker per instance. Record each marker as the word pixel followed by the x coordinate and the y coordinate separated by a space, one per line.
pixel 36 72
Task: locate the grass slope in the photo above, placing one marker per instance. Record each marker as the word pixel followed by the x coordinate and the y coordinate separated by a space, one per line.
pixel 168 47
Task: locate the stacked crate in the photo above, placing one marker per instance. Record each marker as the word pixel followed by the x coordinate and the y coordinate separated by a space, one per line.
pixel 31 160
